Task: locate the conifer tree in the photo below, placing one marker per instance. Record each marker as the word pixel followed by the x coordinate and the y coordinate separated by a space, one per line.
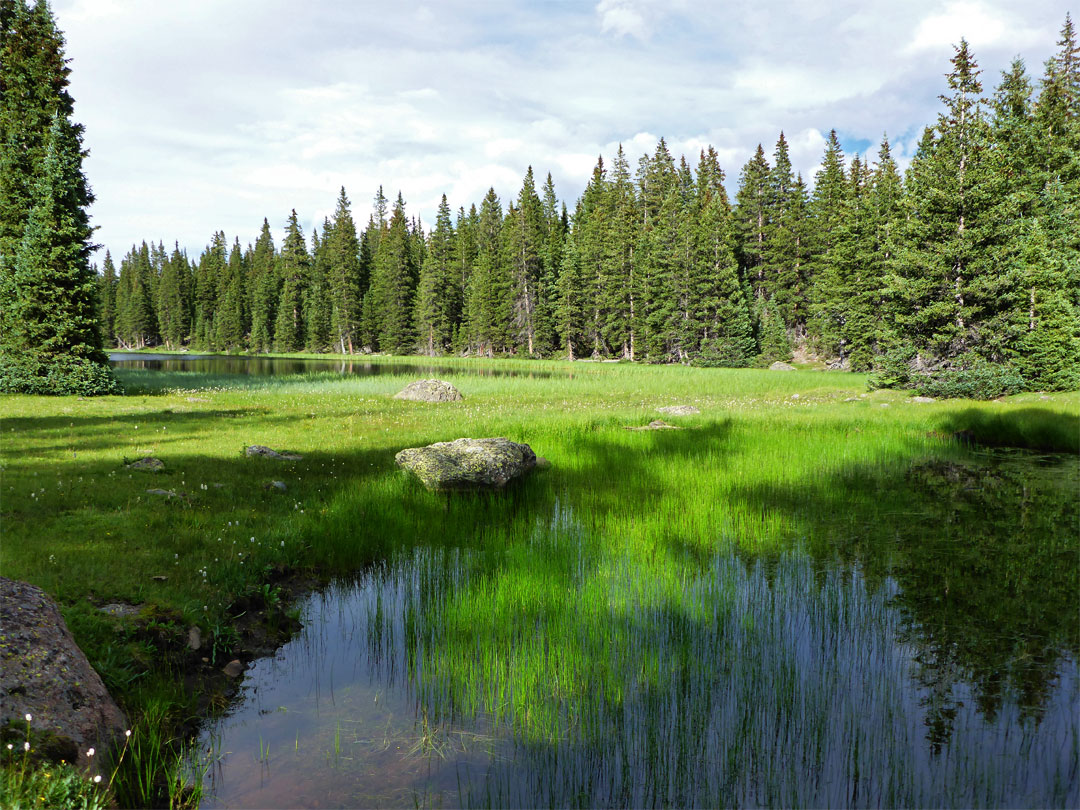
pixel 264 289
pixel 751 220
pixel 292 271
pixel 393 286
pixel 436 297
pixel 317 303
pixel 346 280
pixel 107 296
pixel 230 313
pixel 523 245
pixel 488 296
pixel 210 276
pixel 174 290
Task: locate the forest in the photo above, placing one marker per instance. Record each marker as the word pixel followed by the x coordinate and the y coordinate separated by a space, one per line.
pixel 970 259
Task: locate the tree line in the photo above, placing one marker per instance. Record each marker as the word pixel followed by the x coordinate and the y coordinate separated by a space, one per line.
pixel 966 264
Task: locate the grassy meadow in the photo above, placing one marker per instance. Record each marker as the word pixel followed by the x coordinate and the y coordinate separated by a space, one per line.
pixel 639 560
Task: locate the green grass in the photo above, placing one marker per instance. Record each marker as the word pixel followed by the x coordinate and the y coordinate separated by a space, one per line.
pixel 622 524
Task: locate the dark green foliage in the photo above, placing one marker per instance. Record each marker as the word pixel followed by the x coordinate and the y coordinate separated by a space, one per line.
pixel 57 375
pixel 969 264
pixel 107 283
pixel 292 270
pixel 970 377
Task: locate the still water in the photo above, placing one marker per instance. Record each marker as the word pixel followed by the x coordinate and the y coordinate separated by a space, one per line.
pixel 934 666
pixel 261 366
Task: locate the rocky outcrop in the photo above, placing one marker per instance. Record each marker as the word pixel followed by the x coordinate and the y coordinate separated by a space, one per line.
pixel 679 410
pixel 468 464
pixel 44 674
pixel 429 391
pixel 781 366
pixel 266 452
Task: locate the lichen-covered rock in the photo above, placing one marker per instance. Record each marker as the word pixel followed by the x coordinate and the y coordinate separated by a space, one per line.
pixel 468 464
pixel 44 674
pixel 781 366
pixel 429 391
pixel 679 410
pixel 148 464
pixel 655 424
pixel 266 452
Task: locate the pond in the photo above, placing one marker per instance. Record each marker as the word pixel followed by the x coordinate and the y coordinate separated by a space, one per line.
pixel 263 366
pixel 929 657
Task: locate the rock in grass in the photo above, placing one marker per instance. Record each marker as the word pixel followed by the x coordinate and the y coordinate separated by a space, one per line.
pixel 679 410
pixel 266 452
pixel 429 391
pixel 781 366
pixel 921 399
pixel 234 669
pixel 44 674
pixel 655 424
pixel 468 464
pixel 278 485
pixel 147 464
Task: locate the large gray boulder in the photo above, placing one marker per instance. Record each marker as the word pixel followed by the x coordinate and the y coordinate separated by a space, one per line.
pixel 429 391
pixel 779 365
pixel 44 674
pixel 468 464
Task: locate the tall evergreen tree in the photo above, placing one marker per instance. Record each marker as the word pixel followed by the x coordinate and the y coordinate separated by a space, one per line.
pixel 346 281
pixel 292 271
pixel 231 323
pixel 107 297
pixel 263 287
pixel 174 291
pixel 317 302
pixel 393 285
pixel 436 297
pixel 523 255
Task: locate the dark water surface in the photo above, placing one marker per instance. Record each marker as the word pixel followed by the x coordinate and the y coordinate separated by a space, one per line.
pixel 262 366
pixel 931 661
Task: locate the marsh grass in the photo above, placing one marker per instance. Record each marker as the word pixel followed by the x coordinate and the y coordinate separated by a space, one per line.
pixel 599 589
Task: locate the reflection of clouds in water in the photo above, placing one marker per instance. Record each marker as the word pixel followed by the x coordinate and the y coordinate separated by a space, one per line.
pixel 779 680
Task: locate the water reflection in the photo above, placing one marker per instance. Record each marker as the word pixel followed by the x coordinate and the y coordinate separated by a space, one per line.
pixel 258 365
pixel 933 665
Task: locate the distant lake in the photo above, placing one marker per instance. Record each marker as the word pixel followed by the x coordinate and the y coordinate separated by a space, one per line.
pixel 263 366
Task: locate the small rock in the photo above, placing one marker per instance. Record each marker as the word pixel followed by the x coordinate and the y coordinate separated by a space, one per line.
pixel 194 638
pixel 234 669
pixel 884 404
pixel 781 366
pixel 468 464
pixel 275 485
pixel 429 391
pixel 159 578
pixel 147 464
pixel 921 399
pixel 197 399
pixel 656 424
pixel 266 452
pixel 168 493
pixel 1044 398
pixel 679 410
pixel 852 399
pixel 120 609
pixel 794 396
pixel 542 463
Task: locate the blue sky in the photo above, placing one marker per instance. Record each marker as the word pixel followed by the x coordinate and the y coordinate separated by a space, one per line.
pixel 211 114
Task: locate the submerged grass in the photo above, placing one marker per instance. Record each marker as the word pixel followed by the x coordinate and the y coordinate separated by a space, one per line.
pixel 597 595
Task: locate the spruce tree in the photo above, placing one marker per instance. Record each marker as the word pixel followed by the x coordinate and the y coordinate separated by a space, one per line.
pixel 393 286
pixel 230 314
pixel 523 245
pixel 263 288
pixel 436 295
pixel 174 289
pixel 317 302
pixel 107 297
pixel 292 271
pixel 345 280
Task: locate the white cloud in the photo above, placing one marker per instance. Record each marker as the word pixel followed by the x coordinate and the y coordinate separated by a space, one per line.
pixel 971 21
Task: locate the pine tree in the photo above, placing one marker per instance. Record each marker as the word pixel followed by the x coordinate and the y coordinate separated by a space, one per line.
pixel 393 286
pixel 49 331
pixel 751 219
pixel 174 290
pixel 947 282
pixel 346 281
pixel 107 296
pixel 317 303
pixel 488 295
pixel 292 271
pixel 210 276
pixel 523 245
pixel 263 288
pixel 436 297
pixel 230 314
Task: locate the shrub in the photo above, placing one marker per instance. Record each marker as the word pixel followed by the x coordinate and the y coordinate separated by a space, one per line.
pixel 58 375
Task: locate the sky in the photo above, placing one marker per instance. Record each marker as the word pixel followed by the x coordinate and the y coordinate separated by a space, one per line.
pixel 209 115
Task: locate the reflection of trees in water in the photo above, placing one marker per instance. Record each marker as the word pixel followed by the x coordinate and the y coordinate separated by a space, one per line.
pixel 287 366
pixel 988 582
